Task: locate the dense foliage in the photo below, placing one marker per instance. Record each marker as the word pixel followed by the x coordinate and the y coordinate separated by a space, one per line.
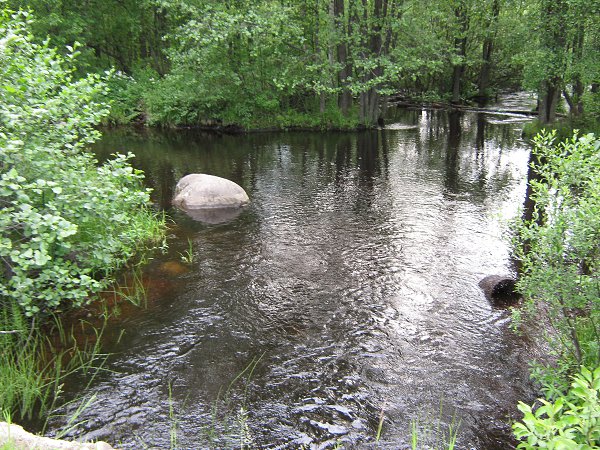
pixel 66 224
pixel 331 63
pixel 561 261
pixel 560 281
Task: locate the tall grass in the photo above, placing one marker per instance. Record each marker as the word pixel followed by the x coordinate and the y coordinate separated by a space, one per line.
pixel 35 361
pixel 174 422
pixel 229 418
pixel 23 378
pixel 9 443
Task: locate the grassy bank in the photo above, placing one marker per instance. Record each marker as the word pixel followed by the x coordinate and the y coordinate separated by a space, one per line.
pixel 563 128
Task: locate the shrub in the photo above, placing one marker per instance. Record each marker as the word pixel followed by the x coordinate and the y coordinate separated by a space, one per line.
pixel 66 224
pixel 560 267
pixel 572 421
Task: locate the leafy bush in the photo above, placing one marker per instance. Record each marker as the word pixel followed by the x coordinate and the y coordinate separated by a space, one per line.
pixel 126 104
pixel 561 260
pixel 66 224
pixel 570 422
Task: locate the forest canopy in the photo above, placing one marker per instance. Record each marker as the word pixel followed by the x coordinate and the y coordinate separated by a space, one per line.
pixel 331 63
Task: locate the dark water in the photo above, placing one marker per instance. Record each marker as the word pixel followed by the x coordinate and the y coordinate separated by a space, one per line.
pixel 352 276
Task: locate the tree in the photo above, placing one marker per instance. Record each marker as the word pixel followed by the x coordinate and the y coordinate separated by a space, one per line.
pixel 460 47
pixel 124 34
pixel 490 21
pixel 561 59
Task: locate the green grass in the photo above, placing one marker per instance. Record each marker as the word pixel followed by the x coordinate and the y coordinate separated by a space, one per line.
pixel 187 256
pixel 564 128
pixel 174 422
pixel 36 360
pixel 428 432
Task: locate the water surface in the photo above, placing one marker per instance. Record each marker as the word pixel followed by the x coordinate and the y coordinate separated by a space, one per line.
pixel 351 278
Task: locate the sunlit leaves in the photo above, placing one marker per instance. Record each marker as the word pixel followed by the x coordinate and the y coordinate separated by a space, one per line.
pixel 571 422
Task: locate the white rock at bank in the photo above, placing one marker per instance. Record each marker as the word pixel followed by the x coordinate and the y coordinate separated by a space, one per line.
pixel 16 437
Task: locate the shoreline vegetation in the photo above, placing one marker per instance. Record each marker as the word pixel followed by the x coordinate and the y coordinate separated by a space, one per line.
pixel 69 226
pixel 556 244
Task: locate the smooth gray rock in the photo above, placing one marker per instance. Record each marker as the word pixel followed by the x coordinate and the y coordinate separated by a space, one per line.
pixel 209 198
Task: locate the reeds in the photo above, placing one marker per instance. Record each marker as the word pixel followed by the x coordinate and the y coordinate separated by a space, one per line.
pixel 430 433
pixel 34 361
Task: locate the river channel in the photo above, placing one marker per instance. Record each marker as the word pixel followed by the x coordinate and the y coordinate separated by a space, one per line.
pixel 343 297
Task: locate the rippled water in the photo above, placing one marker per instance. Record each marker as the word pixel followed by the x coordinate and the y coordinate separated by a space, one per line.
pixel 351 279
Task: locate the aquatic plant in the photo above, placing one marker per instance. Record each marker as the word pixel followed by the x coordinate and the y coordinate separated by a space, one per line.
pixel 429 433
pixel 34 366
pixel 187 256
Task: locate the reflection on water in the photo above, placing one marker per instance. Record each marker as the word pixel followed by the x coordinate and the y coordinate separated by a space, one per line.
pixel 353 272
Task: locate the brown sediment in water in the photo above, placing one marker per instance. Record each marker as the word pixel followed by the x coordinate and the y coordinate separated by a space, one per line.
pixel 173 268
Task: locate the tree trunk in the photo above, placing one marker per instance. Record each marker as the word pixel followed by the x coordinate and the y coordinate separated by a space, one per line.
pixel 548 100
pixel 553 38
pixel 317 53
pixel 369 100
pixel 488 45
pixel 456 79
pixel 576 100
pixel 344 97
pixel 460 46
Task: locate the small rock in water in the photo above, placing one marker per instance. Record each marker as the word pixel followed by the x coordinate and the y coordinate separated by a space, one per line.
pixel 500 290
pixel 329 427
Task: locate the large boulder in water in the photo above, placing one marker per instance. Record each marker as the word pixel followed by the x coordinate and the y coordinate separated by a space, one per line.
pixel 198 191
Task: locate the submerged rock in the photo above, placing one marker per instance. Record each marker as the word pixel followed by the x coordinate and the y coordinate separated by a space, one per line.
pixel 14 436
pixel 174 268
pixel 500 290
pixel 213 216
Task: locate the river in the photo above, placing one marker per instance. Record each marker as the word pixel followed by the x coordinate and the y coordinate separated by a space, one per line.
pixel 343 297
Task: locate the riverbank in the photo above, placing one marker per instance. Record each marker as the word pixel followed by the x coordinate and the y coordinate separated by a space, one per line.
pixel 68 224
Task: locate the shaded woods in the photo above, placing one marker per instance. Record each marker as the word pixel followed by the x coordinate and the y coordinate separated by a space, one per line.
pixel 325 63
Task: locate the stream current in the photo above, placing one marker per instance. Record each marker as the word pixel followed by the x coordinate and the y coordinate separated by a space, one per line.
pixel 343 297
